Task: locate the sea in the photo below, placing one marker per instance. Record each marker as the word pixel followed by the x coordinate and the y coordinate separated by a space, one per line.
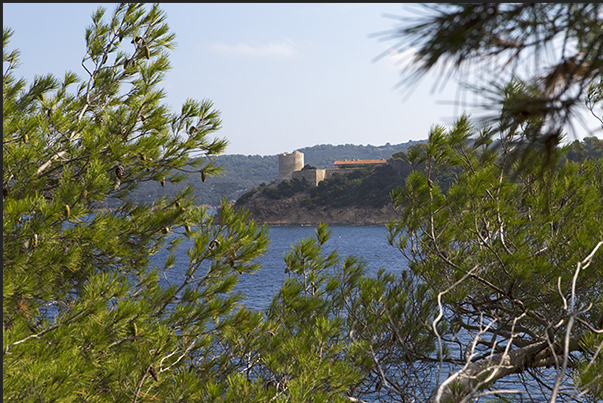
pixel 366 242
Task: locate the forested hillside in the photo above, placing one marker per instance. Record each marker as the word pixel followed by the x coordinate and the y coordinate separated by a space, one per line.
pixel 373 186
pixel 323 155
pixel 241 173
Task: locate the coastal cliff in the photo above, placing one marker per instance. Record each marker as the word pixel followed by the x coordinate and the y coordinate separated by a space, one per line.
pixel 291 211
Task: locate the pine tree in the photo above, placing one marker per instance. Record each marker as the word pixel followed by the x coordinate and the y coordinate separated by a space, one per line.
pixel 85 316
pixel 551 52
pixel 514 261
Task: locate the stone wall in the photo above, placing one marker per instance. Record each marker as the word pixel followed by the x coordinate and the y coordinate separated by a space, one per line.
pixel 290 167
pixel 315 176
pixel 312 176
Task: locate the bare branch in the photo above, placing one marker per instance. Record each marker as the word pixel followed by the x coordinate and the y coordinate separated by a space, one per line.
pixel 572 317
pixel 48 329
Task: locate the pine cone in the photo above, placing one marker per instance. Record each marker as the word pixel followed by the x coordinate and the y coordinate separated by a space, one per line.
pixel 120 171
pixel 116 184
pixel 153 373
pixel 133 329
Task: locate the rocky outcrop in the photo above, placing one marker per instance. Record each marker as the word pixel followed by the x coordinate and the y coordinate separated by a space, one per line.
pixel 289 211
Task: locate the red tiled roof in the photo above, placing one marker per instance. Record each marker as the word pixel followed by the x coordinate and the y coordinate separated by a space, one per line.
pixel 360 162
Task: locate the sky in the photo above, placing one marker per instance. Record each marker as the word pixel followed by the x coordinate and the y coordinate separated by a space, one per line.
pixel 283 75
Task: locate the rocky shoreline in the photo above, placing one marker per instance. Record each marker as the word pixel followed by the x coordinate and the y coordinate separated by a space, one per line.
pixel 290 212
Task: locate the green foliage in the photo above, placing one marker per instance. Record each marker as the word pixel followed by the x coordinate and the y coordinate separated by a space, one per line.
pixel 369 186
pixel 591 148
pixel 547 56
pixel 504 257
pixel 502 249
pixel 84 316
pixel 309 354
pixel 247 195
pixel 285 189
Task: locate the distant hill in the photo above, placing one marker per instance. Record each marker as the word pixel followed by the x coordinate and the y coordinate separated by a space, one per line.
pixel 361 196
pixel 323 155
pixel 244 172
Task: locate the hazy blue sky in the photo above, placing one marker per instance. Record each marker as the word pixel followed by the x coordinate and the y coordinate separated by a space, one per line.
pixel 284 76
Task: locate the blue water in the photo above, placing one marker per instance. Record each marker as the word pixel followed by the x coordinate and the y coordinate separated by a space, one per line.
pixel 366 242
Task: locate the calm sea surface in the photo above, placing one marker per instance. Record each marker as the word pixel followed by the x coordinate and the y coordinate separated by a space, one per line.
pixel 366 242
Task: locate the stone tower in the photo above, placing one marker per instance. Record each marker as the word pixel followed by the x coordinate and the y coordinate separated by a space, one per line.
pixel 287 163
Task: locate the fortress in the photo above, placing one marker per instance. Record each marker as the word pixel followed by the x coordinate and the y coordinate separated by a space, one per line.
pixel 291 166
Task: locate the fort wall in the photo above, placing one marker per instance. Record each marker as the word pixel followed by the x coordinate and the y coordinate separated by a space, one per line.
pixel 312 176
pixel 290 167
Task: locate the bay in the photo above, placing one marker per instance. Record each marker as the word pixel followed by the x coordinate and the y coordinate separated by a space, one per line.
pixel 366 242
